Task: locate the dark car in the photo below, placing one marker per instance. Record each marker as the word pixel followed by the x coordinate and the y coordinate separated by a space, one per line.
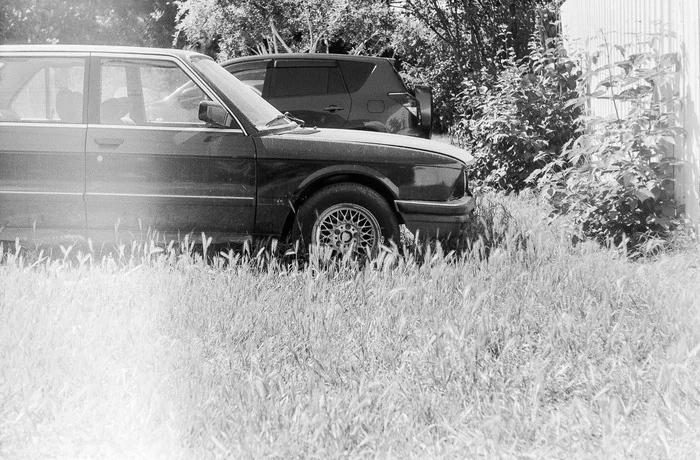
pixel 108 142
pixel 338 91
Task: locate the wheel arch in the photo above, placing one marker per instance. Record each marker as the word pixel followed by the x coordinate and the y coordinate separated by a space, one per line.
pixel 382 185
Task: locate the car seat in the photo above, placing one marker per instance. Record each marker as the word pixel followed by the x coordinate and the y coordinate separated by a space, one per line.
pixel 69 106
pixel 114 111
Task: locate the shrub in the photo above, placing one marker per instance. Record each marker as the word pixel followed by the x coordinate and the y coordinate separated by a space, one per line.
pixel 619 188
pixel 519 124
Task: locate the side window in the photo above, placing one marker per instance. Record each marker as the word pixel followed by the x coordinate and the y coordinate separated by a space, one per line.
pixel 31 101
pixel 42 89
pixel 252 74
pixel 306 80
pixel 148 93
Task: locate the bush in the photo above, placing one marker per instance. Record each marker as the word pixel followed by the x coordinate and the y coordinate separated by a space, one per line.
pixel 619 188
pixel 519 124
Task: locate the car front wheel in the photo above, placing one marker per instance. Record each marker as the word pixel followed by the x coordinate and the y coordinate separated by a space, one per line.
pixel 347 217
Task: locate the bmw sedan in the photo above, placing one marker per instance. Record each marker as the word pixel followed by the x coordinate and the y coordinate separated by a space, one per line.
pixel 108 143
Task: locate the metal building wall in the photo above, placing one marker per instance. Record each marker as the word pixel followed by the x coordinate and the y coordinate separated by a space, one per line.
pixel 598 25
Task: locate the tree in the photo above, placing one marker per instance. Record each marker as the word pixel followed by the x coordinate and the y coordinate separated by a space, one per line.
pixel 126 22
pixel 453 42
pixel 241 27
pixel 471 28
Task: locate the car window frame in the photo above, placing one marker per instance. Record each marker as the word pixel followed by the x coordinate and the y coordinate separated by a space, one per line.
pixel 95 82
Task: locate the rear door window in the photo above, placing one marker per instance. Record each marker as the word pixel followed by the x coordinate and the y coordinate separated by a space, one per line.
pixel 42 89
pixel 312 90
pixel 296 78
pixel 252 74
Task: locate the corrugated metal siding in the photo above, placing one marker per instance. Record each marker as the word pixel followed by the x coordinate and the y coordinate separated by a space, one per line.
pixel 588 24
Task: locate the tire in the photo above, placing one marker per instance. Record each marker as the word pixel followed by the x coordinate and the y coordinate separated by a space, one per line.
pixel 345 217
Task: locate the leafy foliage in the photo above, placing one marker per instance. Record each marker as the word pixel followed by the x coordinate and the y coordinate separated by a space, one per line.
pixel 470 28
pixel 126 22
pixel 619 188
pixel 519 125
pixel 455 42
pixel 265 26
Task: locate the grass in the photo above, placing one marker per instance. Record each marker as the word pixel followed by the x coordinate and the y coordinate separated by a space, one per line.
pixel 525 346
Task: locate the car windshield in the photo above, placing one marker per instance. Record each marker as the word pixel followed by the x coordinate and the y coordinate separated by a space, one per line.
pixel 260 112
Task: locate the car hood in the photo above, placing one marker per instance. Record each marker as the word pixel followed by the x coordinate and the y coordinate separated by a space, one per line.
pixel 383 139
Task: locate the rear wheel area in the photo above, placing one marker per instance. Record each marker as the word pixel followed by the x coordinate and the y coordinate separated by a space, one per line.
pixel 346 217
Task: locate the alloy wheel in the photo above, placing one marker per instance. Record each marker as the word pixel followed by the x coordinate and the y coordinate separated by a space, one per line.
pixel 347 227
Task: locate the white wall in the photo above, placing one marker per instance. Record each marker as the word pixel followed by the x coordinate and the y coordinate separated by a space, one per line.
pixel 588 24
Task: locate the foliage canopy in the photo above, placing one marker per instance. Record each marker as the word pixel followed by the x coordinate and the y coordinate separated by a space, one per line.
pixel 242 27
pixel 123 22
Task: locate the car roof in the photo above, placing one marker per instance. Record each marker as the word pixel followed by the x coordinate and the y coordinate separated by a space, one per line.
pixel 317 56
pixel 96 49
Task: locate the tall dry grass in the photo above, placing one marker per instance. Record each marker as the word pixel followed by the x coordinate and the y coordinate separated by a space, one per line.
pixel 526 346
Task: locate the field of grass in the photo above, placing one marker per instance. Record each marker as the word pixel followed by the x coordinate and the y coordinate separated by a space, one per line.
pixel 543 349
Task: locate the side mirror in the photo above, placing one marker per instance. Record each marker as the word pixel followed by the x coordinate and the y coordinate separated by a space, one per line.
pixel 425 98
pixel 214 114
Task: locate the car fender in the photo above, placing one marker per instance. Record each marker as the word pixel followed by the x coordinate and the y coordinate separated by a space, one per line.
pixel 322 175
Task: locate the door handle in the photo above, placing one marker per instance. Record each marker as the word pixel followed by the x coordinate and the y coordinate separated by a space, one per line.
pixel 333 108
pixel 109 142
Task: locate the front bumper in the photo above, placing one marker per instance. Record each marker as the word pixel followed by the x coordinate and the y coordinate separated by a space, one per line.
pixel 436 218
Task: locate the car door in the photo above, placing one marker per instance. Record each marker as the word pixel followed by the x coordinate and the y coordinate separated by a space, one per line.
pixel 42 142
pixel 310 89
pixel 152 165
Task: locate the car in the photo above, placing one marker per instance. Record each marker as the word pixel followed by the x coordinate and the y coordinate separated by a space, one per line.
pixel 338 91
pixel 109 143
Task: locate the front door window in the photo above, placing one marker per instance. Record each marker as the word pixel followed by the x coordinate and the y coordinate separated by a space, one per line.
pixel 148 93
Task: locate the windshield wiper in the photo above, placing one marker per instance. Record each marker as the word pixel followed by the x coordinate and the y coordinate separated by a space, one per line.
pixel 285 116
pixel 296 120
pixel 275 120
